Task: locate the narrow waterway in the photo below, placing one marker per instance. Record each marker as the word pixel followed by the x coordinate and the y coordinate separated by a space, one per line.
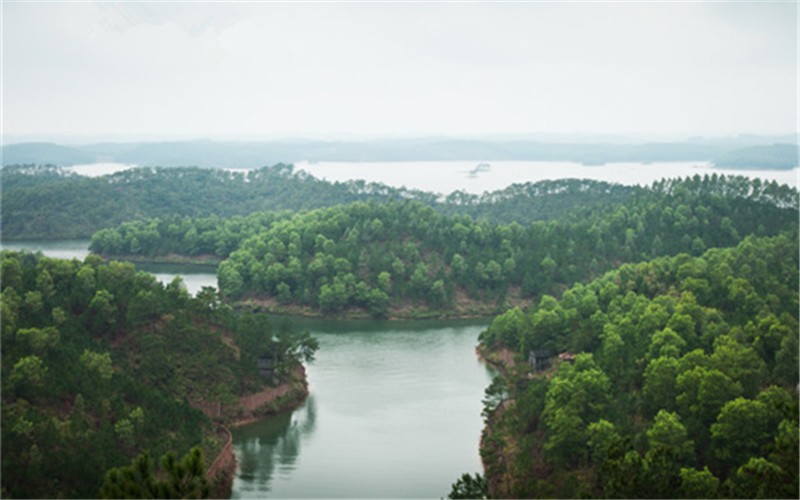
pixel 194 277
pixel 394 411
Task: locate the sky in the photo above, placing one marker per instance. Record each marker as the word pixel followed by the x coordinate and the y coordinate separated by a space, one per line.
pixel 138 70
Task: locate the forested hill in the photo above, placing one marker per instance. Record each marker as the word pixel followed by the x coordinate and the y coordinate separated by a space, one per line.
pixel 101 362
pixel 48 203
pixel 406 258
pixel 677 379
pixel 51 203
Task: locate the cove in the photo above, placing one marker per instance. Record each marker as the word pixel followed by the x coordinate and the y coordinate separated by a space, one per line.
pixel 393 411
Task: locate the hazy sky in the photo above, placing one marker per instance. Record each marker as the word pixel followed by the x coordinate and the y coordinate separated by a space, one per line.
pixel 265 69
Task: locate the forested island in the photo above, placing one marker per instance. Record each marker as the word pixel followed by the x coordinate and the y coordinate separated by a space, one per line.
pixel 647 336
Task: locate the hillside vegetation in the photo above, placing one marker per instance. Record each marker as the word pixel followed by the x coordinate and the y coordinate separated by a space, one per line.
pixel 407 258
pixel 53 203
pixel 683 384
pixel 101 363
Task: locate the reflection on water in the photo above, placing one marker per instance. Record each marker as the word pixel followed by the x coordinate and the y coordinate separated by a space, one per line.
pixel 194 276
pixel 272 444
pixel 394 411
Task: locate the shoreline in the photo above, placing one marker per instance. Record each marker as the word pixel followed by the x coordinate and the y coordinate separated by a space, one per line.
pixel 494 446
pixel 256 407
pixel 270 307
pixel 210 261
pixel 501 360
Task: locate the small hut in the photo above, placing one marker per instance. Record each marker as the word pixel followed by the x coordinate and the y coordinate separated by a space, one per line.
pixel 266 366
pixel 540 360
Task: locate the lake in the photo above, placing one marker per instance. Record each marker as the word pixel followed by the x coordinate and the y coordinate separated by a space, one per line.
pixel 393 412
pixel 394 407
pixel 194 277
pixel 445 177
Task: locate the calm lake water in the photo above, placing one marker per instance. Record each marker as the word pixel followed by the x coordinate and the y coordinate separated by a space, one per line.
pixel 194 277
pixel 394 407
pixel 394 412
pixel 447 176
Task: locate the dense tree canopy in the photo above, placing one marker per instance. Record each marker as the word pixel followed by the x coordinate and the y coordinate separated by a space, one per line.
pixel 684 381
pixel 383 258
pixel 101 362
pixel 680 363
pixel 51 203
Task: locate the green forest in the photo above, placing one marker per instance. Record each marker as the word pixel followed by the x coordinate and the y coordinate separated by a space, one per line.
pixel 406 258
pixel 102 364
pixel 677 378
pixel 647 337
pixel 48 202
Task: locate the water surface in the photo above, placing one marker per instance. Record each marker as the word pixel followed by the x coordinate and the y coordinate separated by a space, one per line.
pixel 194 277
pixel 445 177
pixel 394 411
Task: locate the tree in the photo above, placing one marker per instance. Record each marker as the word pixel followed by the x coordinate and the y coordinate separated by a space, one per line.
pixel 667 432
pixel 332 298
pixel 659 390
pixel 180 478
pixel 666 343
pixel 230 280
pixel 102 310
pixel 468 486
pixel 385 282
pixel 758 478
pixel 29 371
pixel 377 302
pixel 741 363
pixel 578 393
pixel 566 442
pixel 669 449
pixel 698 483
pixel 701 395
pixel 99 363
pixel 742 429
pixel 603 437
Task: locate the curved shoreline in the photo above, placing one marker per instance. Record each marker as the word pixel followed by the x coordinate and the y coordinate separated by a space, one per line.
pixel 270 307
pixel 253 408
pixel 495 448
pixel 172 258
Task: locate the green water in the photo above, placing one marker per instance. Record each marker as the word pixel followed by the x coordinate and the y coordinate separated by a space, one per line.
pixel 394 411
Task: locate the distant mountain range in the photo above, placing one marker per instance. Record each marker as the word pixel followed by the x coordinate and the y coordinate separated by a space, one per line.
pixel 743 152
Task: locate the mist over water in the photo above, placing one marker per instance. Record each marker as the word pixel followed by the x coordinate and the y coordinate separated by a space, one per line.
pixel 445 177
